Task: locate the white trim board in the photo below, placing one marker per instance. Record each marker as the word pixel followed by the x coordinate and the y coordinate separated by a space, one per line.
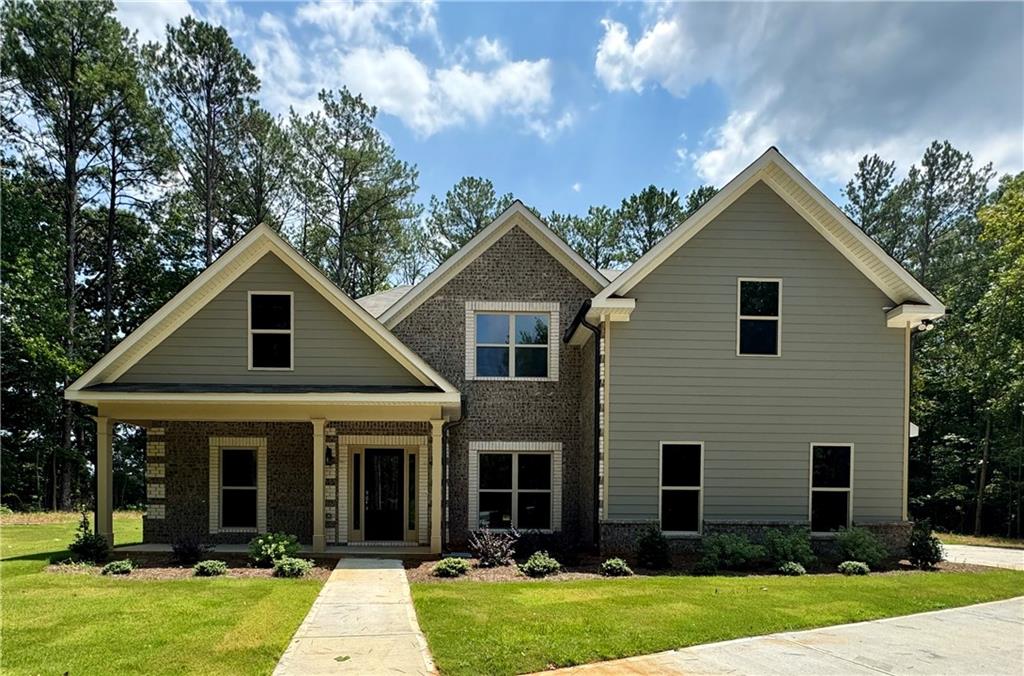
pixel 227 268
pixel 517 215
pixel 825 217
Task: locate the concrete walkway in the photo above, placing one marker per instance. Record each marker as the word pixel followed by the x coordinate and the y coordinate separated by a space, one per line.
pixel 1000 557
pixel 983 639
pixel 362 622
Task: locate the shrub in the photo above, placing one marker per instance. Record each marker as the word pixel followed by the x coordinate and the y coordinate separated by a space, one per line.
pixel 854 568
pixel 210 568
pixel 540 564
pixel 860 544
pixel 563 545
pixel 733 552
pixel 493 548
pixel 924 549
pixel 652 550
pixel 705 567
pixel 616 568
pixel 784 545
pixel 122 567
pixel 451 566
pixel 88 546
pixel 188 549
pixel 288 566
pixel 792 568
pixel 265 550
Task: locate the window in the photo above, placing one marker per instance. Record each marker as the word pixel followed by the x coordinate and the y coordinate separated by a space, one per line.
pixel 238 488
pixel 411 498
pixel 682 487
pixel 759 317
pixel 270 330
pixel 357 491
pixel 831 487
pixel 515 491
pixel 512 345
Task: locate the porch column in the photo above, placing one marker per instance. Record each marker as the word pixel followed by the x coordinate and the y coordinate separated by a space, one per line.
pixel 435 485
pixel 105 478
pixel 319 541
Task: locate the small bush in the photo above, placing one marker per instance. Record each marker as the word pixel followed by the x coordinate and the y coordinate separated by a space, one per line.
pixel 652 550
pixel 733 552
pixel 616 568
pixel 540 564
pixel 288 566
pixel 493 548
pixel 789 545
pixel 122 567
pixel 854 568
pixel 451 566
pixel 188 549
pixel 705 567
pixel 5 510
pixel 563 545
pixel 860 544
pixel 88 546
pixel 265 550
pixel 210 568
pixel 924 549
pixel 792 568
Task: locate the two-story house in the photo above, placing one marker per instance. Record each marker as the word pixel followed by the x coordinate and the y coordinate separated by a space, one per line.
pixel 751 369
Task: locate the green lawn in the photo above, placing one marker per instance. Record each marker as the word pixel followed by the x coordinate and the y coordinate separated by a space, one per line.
pixel 82 624
pixel 983 540
pixel 516 627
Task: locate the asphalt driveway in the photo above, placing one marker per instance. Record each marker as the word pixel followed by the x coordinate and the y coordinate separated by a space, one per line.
pixel 998 557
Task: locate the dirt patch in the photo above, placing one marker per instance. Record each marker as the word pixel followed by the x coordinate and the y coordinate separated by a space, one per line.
pixel 157 567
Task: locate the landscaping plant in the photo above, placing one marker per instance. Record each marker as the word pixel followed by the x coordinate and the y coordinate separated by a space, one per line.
pixel 785 545
pixel 540 564
pixel 854 568
pixel 493 548
pixel 188 549
pixel 288 566
pixel 792 568
pixel 616 568
pixel 733 551
pixel 210 568
pixel 265 550
pixel 705 567
pixel 924 549
pixel 88 546
pixel 860 544
pixel 451 566
pixel 121 567
pixel 652 550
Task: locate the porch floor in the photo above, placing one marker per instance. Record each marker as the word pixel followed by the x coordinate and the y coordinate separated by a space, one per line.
pixel 415 552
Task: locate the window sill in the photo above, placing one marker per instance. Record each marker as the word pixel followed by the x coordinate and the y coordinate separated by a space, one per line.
pixel 542 531
pixel 224 529
pixel 681 535
pixel 514 380
pixel 271 368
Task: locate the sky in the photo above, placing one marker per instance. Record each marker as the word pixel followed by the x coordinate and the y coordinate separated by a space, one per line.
pixel 568 105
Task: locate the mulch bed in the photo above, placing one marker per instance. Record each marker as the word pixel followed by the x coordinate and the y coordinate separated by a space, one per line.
pixel 160 567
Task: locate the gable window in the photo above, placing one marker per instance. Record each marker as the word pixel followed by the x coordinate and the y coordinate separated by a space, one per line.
pixel 682 487
pixel 759 317
pixel 516 344
pixel 238 488
pixel 270 330
pixel 515 485
pixel 831 487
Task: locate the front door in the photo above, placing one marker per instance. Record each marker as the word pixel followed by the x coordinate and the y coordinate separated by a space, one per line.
pixel 383 508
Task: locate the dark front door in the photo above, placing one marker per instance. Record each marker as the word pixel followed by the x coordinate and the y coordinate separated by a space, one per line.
pixel 383 509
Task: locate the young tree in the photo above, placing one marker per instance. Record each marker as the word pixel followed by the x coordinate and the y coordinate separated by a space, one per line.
pixel 466 209
pixel 260 183
pixel 878 204
pixel 596 237
pixel 696 198
pixel 206 86
pixel 646 217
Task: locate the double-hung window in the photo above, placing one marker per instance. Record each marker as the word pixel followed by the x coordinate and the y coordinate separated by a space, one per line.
pixel 831 487
pixel 238 488
pixel 512 345
pixel 515 490
pixel 270 330
pixel 682 487
pixel 759 317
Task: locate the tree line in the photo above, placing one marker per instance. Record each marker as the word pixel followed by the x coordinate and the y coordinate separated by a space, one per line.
pixel 128 168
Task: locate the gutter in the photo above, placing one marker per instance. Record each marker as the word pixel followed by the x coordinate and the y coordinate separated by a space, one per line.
pixel 445 465
pixel 581 320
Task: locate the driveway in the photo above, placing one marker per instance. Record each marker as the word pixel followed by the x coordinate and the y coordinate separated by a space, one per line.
pixel 999 557
pixel 983 639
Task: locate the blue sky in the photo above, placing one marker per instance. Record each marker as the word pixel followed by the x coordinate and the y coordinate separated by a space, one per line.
pixel 572 104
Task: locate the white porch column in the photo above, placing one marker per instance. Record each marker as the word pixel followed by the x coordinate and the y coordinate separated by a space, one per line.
pixel 105 478
pixel 435 485
pixel 319 541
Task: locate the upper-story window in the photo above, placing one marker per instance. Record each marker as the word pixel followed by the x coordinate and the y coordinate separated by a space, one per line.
pixel 512 341
pixel 759 317
pixel 270 330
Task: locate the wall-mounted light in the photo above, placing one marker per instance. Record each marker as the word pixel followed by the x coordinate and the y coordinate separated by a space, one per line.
pixel 926 325
pixel 329 454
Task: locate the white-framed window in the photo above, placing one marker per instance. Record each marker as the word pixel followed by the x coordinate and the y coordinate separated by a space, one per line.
pixel 515 485
pixel 512 341
pixel 271 317
pixel 681 487
pixel 239 489
pixel 830 505
pixel 758 317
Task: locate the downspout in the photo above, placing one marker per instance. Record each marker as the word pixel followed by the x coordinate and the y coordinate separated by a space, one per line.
pixel 445 464
pixel 581 320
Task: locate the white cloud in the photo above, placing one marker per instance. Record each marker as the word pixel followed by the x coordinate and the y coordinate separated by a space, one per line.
pixel 830 82
pixel 490 51
pixel 150 17
pixel 577 186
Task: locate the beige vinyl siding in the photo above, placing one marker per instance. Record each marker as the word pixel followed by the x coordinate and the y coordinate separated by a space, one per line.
pixel 211 347
pixel 675 373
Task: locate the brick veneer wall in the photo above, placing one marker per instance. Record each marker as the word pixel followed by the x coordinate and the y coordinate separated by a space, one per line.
pixel 515 268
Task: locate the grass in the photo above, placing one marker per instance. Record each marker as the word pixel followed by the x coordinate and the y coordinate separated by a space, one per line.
pixel 983 540
pixel 517 627
pixel 85 624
